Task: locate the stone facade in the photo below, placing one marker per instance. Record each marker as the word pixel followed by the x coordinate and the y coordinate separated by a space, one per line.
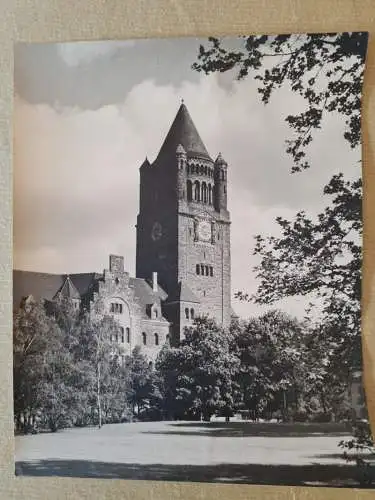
pixel 183 251
pixel 183 226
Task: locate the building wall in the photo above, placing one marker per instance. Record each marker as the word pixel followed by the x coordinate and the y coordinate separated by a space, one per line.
pixel 114 289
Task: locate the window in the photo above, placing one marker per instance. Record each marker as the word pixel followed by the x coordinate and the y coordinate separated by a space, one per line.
pixel 209 194
pixel 225 189
pixel 211 271
pixel 192 313
pixel 197 269
pixel 116 337
pixel 189 189
pixel 202 269
pixel 196 191
pixel 156 338
pixel 204 192
pixel 128 335
pixel 122 335
pixel 144 338
pixel 167 339
pixel 187 313
pixel 116 308
pixel 207 271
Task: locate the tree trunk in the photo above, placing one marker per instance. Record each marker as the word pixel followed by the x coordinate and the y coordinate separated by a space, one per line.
pixel 98 397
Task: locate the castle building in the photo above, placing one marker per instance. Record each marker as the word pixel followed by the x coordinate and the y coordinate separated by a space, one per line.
pixel 182 256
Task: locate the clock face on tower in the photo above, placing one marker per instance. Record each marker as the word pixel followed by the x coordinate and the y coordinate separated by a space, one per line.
pixel 204 230
pixel 157 231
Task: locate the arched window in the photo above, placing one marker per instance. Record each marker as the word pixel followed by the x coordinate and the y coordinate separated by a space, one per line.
pixel 209 194
pixel 197 269
pixel 196 191
pixel 128 335
pixel 144 338
pixel 207 271
pixel 192 313
pixel 189 189
pixel 202 170
pixel 211 271
pixel 187 313
pixel 167 339
pixel 156 338
pixel 205 170
pixel 122 335
pixel 204 192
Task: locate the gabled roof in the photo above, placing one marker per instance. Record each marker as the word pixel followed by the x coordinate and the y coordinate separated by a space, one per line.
pixel 39 285
pixel 68 290
pixel 183 293
pixel 144 291
pixel 182 133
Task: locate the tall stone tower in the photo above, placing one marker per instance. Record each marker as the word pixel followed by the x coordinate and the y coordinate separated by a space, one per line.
pixel 183 227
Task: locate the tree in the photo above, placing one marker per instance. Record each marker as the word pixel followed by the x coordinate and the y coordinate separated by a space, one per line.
pixel 96 347
pixel 320 257
pixel 144 396
pixel 199 374
pixel 325 69
pixel 34 333
pixel 271 374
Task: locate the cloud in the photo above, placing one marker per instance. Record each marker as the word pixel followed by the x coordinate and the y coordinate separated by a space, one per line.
pixel 76 176
pixel 78 53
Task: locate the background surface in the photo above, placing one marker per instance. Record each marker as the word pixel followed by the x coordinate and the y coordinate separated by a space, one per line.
pixel 68 20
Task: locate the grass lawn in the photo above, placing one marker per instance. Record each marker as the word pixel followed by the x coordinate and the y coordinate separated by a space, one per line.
pixel 246 452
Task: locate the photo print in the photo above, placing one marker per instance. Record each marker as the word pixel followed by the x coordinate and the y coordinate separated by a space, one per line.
pixel 187 260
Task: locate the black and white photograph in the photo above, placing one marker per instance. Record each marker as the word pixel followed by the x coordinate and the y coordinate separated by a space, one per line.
pixel 187 260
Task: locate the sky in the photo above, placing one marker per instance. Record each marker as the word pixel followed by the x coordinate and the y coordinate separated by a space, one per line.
pixel 87 114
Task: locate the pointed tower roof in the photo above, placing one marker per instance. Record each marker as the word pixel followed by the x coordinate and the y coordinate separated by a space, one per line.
pixel 68 290
pixel 183 133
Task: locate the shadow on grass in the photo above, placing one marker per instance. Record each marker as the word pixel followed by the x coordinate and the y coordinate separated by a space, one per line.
pixel 248 429
pixel 312 475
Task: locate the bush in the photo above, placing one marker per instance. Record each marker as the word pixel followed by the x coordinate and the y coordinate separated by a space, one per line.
pixel 361 450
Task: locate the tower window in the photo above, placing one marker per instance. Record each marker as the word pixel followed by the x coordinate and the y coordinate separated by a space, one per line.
pixel 122 335
pixel 187 313
pixel 202 269
pixel 144 338
pixel 197 269
pixel 196 191
pixel 128 335
pixel 206 268
pixel 192 313
pixel 189 188
pixel 156 338
pixel 211 271
pixel 225 189
pixel 204 192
